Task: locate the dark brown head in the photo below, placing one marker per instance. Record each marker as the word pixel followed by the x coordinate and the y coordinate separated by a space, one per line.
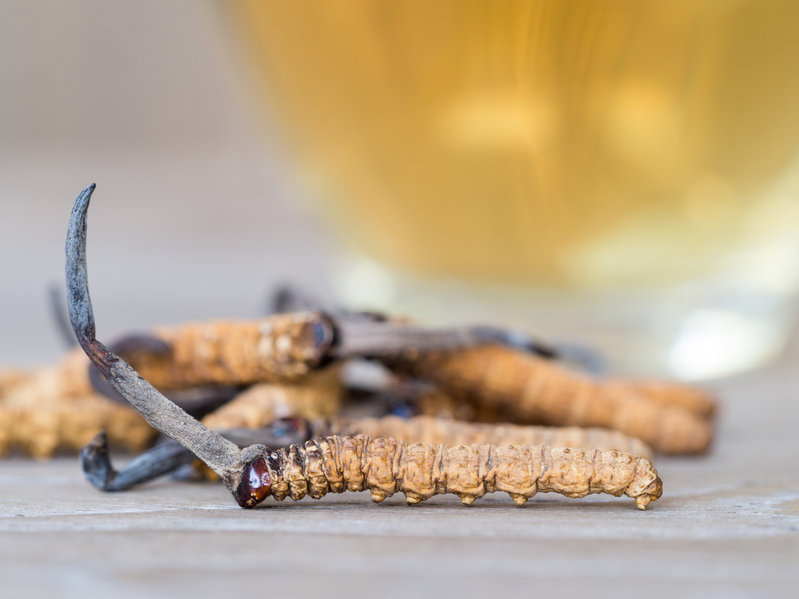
pixel 255 485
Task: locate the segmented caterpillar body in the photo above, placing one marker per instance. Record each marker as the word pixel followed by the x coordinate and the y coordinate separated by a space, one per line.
pixel 386 466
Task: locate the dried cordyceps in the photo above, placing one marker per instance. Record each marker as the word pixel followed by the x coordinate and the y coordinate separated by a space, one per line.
pixel 168 456
pixel 339 463
pixel 277 348
pixel 526 388
pixel 387 466
pixel 282 347
pixel 56 408
pixel 40 432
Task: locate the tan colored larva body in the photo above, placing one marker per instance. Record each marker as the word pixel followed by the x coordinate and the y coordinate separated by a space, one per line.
pixel 54 408
pixel 387 466
pixel 527 388
pixel 317 395
pixel 426 429
pixel 9 379
pixel 69 377
pixel 42 431
pixel 277 348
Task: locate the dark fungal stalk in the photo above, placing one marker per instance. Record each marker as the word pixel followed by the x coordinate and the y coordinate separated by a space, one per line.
pixel 287 299
pixel 221 455
pixel 160 460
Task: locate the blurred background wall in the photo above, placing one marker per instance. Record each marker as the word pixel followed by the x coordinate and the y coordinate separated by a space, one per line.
pixel 191 218
pixel 607 172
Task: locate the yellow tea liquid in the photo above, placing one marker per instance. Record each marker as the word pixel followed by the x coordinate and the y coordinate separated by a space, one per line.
pixel 562 144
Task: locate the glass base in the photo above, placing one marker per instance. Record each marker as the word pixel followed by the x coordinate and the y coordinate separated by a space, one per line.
pixel 701 330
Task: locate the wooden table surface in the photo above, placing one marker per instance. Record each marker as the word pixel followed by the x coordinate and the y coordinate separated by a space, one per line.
pixel 727 526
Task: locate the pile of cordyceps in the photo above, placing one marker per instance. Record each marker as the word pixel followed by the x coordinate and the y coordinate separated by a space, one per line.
pixel 333 400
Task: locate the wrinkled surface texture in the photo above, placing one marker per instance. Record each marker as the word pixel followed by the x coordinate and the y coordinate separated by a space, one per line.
pixel 419 470
pixel 276 348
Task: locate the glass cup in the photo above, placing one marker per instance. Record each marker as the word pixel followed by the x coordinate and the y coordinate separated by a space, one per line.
pixel 623 174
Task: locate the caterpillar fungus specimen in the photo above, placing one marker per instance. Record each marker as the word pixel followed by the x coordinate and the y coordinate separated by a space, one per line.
pixel 386 466
pixel 526 388
pixel 169 456
pixel 339 463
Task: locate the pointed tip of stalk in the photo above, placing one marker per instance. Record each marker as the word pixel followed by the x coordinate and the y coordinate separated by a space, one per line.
pixel 218 453
pixel 81 316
